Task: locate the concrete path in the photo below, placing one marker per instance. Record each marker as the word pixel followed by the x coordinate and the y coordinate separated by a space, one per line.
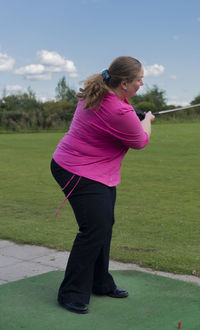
pixel 21 261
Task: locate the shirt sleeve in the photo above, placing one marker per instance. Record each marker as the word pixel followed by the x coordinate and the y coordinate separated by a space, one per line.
pixel 126 127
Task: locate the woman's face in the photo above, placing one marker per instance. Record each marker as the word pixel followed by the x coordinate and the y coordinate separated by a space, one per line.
pixel 130 88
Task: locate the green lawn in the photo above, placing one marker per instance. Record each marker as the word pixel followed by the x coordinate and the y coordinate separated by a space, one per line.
pixel 157 211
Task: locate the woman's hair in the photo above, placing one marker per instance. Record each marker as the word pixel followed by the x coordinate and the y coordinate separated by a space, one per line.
pixel 123 68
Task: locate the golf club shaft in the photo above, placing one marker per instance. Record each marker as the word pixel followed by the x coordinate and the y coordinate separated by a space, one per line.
pixel 176 109
pixel 141 114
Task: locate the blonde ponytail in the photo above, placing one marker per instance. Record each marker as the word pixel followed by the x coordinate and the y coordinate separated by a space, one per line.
pixel 94 91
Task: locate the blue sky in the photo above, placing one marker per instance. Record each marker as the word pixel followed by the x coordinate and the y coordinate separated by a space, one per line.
pixel 43 40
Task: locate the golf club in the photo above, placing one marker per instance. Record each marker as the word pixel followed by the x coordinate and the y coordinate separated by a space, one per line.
pixel 141 114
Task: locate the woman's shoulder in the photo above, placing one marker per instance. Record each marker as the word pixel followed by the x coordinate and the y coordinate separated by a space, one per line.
pixel 113 103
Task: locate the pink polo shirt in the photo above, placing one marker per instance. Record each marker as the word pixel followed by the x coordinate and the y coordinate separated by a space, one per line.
pixel 97 141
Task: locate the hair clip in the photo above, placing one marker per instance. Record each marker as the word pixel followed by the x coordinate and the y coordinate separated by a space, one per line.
pixel 105 74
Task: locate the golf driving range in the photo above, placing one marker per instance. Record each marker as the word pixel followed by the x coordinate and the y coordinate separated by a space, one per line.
pixel 157 226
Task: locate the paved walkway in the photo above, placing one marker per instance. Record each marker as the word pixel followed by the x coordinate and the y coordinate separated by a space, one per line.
pixel 21 261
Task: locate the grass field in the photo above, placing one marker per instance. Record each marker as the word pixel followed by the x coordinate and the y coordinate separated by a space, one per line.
pixel 157 211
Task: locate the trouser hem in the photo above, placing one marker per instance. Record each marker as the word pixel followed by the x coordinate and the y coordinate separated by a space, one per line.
pixel 74 298
pixel 103 289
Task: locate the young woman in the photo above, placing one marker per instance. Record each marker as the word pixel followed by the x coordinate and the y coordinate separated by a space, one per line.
pixel 86 165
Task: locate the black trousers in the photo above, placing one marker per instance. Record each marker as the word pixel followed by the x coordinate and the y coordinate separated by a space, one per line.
pixel 87 267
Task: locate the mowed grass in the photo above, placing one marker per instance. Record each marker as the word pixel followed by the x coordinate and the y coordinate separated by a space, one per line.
pixel 158 201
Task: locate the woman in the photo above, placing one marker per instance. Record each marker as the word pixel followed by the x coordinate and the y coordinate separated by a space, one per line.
pixel 86 164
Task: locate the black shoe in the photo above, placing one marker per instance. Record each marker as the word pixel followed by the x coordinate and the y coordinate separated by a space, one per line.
pixel 118 293
pixel 75 307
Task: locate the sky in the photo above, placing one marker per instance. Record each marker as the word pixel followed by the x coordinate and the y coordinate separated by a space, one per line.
pixel 43 40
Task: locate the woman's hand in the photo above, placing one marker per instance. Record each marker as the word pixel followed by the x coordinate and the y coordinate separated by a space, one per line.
pixel 150 116
pixel 146 122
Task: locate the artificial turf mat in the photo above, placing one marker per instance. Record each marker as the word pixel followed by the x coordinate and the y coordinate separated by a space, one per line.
pixel 154 303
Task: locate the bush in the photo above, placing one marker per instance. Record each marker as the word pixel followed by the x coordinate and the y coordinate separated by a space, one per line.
pixel 145 106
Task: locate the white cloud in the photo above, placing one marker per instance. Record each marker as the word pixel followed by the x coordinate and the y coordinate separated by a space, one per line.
pixel 69 67
pixel 177 103
pixel 53 69
pixel 6 62
pixel 153 70
pixel 43 76
pixel 32 69
pixel 54 62
pixel 175 37
pixel 50 58
pixel 50 62
pixel 173 77
pixel 175 100
pixel 13 88
pixel 42 98
pixel 73 74
pixel 198 19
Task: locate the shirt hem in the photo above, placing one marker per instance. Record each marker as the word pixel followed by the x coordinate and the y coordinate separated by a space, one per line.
pixel 79 173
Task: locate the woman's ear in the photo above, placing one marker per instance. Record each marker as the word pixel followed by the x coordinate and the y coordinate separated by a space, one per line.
pixel 124 85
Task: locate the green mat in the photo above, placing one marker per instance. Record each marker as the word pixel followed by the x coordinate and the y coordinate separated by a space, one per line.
pixel 154 302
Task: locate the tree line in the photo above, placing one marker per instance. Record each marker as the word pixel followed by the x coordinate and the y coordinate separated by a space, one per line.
pixel 23 111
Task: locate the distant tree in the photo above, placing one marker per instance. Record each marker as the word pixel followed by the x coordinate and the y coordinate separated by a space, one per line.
pixel 196 100
pixel 20 102
pixel 145 106
pixel 4 92
pixel 154 96
pixel 64 92
pixel 137 99
pixel 58 113
pixel 31 95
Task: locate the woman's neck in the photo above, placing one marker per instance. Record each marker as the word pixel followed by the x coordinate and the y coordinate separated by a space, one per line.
pixel 117 92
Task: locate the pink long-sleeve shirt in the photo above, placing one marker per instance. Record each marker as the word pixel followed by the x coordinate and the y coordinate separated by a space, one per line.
pixel 98 140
